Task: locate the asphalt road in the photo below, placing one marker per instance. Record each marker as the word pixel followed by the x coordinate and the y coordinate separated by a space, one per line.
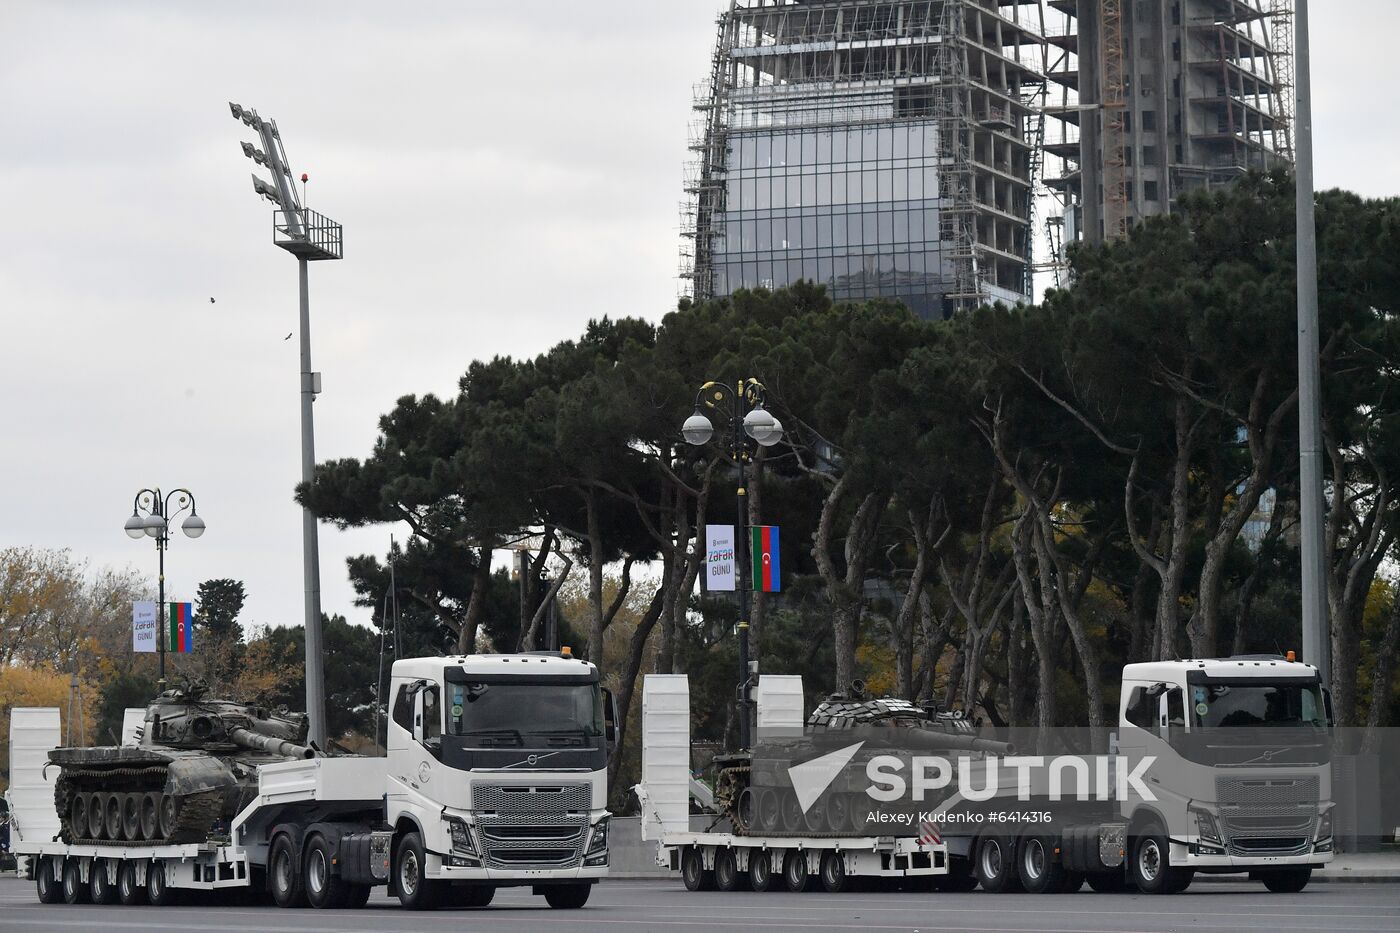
pixel 666 906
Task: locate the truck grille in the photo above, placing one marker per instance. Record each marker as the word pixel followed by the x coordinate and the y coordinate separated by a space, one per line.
pixel 530 826
pixel 1268 816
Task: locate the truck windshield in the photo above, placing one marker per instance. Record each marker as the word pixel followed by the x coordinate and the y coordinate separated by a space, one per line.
pixel 526 713
pixel 1235 704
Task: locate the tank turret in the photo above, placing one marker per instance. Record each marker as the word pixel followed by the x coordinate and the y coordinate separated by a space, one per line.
pixel 193 769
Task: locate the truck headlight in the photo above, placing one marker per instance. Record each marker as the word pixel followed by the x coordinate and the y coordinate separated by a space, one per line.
pixel 1206 826
pixel 598 842
pixel 1324 831
pixel 461 835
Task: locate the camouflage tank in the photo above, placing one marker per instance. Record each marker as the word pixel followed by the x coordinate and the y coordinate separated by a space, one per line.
pixel 754 793
pixel 194 768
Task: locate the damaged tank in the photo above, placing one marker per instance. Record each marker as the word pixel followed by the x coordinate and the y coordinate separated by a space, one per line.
pixel 193 769
pixel 752 788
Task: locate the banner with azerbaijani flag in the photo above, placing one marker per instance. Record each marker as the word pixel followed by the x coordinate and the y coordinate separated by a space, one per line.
pixel 767 572
pixel 181 640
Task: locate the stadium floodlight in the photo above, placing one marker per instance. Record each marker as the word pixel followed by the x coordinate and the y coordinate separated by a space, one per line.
pixel 306 235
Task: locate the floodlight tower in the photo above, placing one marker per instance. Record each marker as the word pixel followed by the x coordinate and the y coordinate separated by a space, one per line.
pixel 308 236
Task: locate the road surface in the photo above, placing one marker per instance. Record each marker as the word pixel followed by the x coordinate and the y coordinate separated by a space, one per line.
pixel 666 906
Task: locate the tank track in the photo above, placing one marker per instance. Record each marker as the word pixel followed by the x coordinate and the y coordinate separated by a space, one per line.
pixel 198 811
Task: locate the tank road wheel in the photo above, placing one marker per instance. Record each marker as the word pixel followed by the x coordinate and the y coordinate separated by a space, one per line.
pixel 794 820
pixel 149 808
pixel 760 870
pixel 159 893
pixel 727 874
pixel 795 871
pixel 1151 866
pixel 995 865
pixel 833 872
pixel 78 817
pixel 1286 880
pixel 769 809
pixel 101 889
pixel 693 871
pixel 415 891
pixel 46 880
pixel 128 891
pixel 746 810
pixel 75 890
pixel 169 817
pixel 97 817
pixel 323 887
pixel 131 816
pixel 838 812
pixel 284 875
pixel 112 815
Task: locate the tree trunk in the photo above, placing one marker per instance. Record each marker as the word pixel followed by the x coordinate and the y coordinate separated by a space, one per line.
pixel 1382 677
pixel 595 577
pixel 632 666
pixel 476 603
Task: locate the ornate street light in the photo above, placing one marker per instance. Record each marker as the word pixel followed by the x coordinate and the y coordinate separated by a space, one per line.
pixel 746 421
pixel 151 515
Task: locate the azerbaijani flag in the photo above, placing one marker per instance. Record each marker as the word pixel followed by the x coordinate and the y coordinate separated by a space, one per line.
pixel 181 628
pixel 767 573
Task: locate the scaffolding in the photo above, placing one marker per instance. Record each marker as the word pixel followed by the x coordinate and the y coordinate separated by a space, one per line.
pixel 970 70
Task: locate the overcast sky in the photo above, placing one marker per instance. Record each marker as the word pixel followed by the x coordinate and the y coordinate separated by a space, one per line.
pixel 504 173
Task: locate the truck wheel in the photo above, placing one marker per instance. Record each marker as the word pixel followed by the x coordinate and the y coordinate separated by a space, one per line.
pixel 1151 866
pixel 100 889
pixel 46 881
pixel 1286 880
pixel 324 889
pixel 760 870
pixel 159 893
pixel 75 890
pixel 415 891
pixel 795 871
pixel 693 871
pixel 995 865
pixel 567 896
pixel 474 895
pixel 833 872
pixel 128 891
pixel 727 876
pixel 284 875
pixel 1036 866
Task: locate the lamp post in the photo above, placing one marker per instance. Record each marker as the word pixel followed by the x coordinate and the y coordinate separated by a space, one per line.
pixel 746 423
pixel 151 515
pixel 309 236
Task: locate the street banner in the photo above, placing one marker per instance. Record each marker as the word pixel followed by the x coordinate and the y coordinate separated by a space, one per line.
pixel 181 628
pixel 719 558
pixel 143 626
pixel 766 570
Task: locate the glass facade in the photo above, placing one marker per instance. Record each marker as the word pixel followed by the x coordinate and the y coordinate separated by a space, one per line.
pixel 854 208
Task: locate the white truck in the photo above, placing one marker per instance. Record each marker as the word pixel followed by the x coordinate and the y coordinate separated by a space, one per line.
pixel 495 776
pixel 1234 756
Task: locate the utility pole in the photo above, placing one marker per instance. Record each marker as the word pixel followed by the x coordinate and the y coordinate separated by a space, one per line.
pixel 307 235
pixel 1316 630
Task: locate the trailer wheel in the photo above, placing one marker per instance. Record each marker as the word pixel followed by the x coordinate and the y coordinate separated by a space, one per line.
pixel 323 887
pixel 693 871
pixel 128 891
pixel 75 891
pixel 1151 865
pixel 46 880
pixel 727 875
pixel 100 889
pixel 415 890
pixel 1036 866
pixel 995 865
pixel 833 872
pixel 1286 880
pixel 795 871
pixel 760 870
pixel 284 875
pixel 159 893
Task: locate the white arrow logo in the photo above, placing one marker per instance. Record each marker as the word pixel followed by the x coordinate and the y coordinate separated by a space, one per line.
pixel 811 778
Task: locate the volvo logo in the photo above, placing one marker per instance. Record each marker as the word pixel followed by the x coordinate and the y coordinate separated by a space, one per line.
pixel 533 760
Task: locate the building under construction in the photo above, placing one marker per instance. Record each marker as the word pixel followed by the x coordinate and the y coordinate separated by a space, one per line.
pixel 880 147
pixel 1149 99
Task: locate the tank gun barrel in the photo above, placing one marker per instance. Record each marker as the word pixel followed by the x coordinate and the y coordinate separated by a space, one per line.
pixel 265 743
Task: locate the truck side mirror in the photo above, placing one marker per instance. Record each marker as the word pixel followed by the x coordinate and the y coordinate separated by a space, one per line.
pixel 609 719
pixel 1327 705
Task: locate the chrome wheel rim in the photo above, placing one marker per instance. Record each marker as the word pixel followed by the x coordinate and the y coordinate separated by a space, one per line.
pixel 1149 860
pixel 991 858
pixel 408 874
pixel 316 871
pixel 284 870
pixel 1034 859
